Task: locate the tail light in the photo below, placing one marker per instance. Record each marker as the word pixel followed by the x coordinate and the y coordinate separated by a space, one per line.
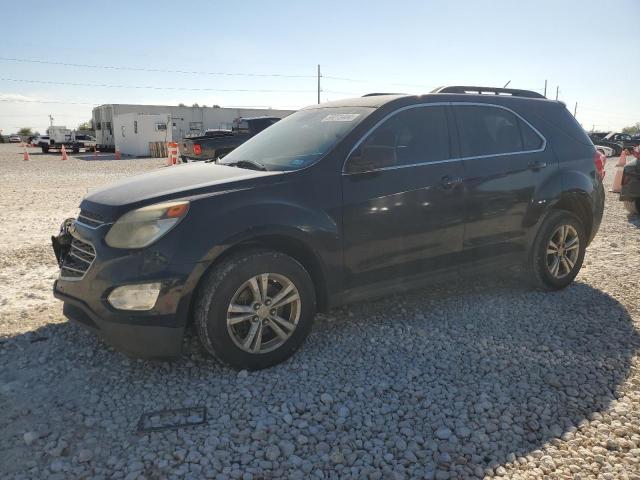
pixel 599 160
pixel 197 148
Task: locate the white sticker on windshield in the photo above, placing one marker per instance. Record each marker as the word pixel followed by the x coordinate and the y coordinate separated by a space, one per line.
pixel 340 117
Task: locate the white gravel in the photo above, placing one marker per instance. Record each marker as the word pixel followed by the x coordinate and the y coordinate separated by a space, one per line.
pixel 473 380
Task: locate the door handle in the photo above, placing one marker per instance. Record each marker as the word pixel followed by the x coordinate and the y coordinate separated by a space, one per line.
pixel 537 165
pixel 449 182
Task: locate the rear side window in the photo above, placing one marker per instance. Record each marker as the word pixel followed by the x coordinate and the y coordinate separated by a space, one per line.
pixel 492 131
pixel 412 136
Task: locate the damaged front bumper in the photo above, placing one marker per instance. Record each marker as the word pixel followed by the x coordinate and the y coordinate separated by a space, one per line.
pixel 90 271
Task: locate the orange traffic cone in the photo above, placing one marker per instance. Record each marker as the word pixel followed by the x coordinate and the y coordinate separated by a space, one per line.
pixel 622 161
pixel 25 156
pixel 617 178
pixel 64 153
pixel 118 156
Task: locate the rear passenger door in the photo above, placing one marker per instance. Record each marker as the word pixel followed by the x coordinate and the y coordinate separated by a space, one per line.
pixel 505 163
pixel 403 204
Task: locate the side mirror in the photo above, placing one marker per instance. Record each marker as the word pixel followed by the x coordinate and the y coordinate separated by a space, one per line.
pixel 371 157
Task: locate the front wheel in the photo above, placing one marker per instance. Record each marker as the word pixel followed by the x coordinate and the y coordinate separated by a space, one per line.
pixel 557 252
pixel 255 309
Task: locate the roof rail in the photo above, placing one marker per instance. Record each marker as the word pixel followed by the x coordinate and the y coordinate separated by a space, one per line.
pixel 514 92
pixel 377 94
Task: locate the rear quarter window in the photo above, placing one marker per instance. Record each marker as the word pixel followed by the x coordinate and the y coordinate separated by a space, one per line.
pixel 530 139
pixel 558 117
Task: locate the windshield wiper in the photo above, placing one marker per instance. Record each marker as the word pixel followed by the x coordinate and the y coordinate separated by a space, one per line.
pixel 250 164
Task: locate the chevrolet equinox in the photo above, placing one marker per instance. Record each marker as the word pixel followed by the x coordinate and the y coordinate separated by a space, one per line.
pixel 333 204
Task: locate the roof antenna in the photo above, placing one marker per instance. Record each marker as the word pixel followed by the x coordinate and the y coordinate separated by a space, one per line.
pixel 505 85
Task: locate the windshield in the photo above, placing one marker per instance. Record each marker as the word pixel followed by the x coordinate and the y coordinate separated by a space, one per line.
pixel 300 139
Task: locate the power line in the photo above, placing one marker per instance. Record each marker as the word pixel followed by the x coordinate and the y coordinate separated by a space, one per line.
pixel 154 87
pixel 156 70
pixel 194 72
pixel 15 100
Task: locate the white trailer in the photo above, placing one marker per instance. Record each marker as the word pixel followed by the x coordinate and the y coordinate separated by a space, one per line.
pixel 134 131
pixel 184 121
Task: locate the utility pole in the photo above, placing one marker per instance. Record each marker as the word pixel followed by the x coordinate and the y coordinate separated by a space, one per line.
pixel 557 91
pixel 545 88
pixel 319 83
pixel 575 110
pixel 51 120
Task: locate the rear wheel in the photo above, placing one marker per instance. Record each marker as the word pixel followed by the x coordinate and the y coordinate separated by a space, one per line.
pixel 632 206
pixel 45 149
pixel 255 309
pixel 556 255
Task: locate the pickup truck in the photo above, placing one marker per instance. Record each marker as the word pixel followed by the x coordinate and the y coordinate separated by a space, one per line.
pixel 58 136
pixel 217 143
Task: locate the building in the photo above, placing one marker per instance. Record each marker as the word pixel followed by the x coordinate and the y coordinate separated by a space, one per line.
pixel 130 128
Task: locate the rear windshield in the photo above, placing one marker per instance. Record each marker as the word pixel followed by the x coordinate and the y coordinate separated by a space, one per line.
pixel 300 139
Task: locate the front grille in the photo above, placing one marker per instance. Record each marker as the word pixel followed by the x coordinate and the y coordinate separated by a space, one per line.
pixel 91 219
pixel 78 260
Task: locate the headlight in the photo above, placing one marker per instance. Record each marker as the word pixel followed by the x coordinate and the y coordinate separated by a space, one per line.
pixel 140 228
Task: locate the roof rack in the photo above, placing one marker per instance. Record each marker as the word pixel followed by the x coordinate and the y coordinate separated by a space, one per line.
pixel 377 94
pixel 514 92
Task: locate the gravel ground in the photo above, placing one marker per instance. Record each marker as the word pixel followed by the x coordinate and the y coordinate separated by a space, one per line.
pixel 471 380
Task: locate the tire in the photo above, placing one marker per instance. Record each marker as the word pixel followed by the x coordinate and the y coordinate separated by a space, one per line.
pixel 540 264
pixel 228 283
pixel 632 206
pixel 45 149
pixel 75 150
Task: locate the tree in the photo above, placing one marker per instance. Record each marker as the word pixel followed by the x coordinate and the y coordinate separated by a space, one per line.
pixel 195 105
pixel 25 132
pixel 86 126
pixel 632 129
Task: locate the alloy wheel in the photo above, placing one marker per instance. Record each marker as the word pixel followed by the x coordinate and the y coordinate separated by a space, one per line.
pixel 562 251
pixel 263 313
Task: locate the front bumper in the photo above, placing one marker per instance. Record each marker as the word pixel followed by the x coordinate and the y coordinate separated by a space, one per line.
pixel 130 337
pixel 156 333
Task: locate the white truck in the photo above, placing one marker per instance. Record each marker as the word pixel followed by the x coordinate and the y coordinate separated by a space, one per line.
pixel 72 140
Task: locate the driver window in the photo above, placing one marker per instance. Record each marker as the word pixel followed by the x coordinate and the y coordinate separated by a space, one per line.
pixel 412 136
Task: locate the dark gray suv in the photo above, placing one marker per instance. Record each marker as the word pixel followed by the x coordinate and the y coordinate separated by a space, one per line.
pixel 335 203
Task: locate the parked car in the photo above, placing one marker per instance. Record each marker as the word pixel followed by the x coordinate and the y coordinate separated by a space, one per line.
pixel 217 143
pixel 606 151
pixel 630 185
pixel 336 203
pixel 599 139
pixel 624 139
pixel 618 141
pixel 14 139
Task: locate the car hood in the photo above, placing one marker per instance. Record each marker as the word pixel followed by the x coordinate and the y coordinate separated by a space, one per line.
pixel 182 181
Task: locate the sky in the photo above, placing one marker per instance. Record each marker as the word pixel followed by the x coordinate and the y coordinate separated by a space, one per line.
pixel 586 47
